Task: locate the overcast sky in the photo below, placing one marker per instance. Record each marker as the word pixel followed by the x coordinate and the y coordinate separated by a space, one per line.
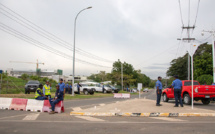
pixel 140 32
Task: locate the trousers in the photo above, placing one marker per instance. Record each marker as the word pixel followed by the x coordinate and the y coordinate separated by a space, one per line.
pixel 158 96
pixel 53 103
pixel 41 98
pixel 177 94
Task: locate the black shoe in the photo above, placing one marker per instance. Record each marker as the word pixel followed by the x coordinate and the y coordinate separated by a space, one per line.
pixel 182 106
pixel 175 106
pixel 158 105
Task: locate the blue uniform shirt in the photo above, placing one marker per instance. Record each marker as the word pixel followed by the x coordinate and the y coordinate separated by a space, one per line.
pixel 177 84
pixel 62 86
pixel 59 94
pixel 67 86
pixel 70 86
pixel 213 84
pixel 159 85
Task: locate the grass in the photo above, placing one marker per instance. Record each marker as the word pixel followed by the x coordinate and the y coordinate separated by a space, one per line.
pixel 66 97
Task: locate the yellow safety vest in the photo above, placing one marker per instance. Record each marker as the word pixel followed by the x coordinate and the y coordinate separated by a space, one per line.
pixel 36 94
pixel 47 90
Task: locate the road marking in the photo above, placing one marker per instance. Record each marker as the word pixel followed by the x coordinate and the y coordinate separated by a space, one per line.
pixel 76 109
pixel 102 104
pixel 31 117
pixel 166 118
pixel 90 118
pixel 13 116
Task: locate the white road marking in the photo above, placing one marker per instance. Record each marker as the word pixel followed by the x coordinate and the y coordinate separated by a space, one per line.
pixel 89 118
pixel 13 116
pixel 102 104
pixel 76 109
pixel 31 117
pixel 167 118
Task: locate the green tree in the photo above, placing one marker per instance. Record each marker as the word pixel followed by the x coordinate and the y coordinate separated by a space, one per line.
pixel 25 77
pixel 203 61
pixel 178 67
pixel 206 78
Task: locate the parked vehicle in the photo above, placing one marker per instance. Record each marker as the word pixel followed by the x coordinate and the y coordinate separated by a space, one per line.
pixel 31 86
pixel 114 89
pixel 200 92
pixel 146 90
pixel 85 88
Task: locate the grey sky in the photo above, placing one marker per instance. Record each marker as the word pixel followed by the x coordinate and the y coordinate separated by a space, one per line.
pixel 140 32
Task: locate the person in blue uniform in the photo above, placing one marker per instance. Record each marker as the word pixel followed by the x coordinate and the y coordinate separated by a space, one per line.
pixel 67 87
pixel 158 90
pixel 62 86
pixel 58 97
pixel 70 88
pixel 177 85
pixel 78 87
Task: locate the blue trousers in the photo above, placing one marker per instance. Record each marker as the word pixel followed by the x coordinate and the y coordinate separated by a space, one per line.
pixel 53 103
pixel 41 98
pixel 158 96
pixel 177 94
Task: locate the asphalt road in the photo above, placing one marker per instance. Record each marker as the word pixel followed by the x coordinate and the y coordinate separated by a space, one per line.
pixel 22 122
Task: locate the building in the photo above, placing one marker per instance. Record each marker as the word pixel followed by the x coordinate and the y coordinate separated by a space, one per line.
pixel 41 73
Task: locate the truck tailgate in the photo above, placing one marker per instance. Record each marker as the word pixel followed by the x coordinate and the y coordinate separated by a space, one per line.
pixel 206 90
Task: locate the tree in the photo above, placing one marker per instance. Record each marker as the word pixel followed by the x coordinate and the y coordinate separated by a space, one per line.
pixel 206 78
pixel 25 77
pixel 203 61
pixel 178 67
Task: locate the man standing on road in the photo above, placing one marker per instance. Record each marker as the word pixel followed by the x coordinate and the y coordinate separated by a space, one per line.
pixel 177 85
pixel 47 89
pixel 78 87
pixel 67 87
pixel 39 95
pixel 58 97
pixel 158 90
pixel 62 86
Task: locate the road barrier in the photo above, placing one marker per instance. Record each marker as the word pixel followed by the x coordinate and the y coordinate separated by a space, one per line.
pixel 59 107
pixel 122 95
pixel 5 103
pixel 18 104
pixel 46 106
pixel 35 105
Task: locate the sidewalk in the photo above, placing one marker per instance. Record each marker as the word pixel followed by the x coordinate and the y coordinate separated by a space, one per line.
pixel 146 107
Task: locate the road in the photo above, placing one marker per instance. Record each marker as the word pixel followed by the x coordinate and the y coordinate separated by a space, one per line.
pixel 22 122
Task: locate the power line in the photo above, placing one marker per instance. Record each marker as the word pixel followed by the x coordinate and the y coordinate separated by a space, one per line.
pixel 197 13
pixel 28 39
pixel 42 32
pixel 181 13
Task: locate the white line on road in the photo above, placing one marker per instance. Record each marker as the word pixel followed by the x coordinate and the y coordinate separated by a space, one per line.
pixel 31 117
pixel 167 118
pixel 76 109
pixel 102 104
pixel 89 118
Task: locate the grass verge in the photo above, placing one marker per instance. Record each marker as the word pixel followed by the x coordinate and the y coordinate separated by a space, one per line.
pixel 66 97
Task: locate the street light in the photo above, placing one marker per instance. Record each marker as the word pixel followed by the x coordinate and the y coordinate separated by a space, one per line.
pixel 213 43
pixel 73 75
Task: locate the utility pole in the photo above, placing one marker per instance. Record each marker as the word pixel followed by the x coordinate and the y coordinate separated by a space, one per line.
pixel 122 75
pixel 188 40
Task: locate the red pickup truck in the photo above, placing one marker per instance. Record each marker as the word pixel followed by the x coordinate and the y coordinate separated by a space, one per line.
pixel 200 92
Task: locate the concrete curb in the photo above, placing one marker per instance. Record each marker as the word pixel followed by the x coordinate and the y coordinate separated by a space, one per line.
pixel 144 114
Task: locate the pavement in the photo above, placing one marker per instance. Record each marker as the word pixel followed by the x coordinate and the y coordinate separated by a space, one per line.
pixel 145 107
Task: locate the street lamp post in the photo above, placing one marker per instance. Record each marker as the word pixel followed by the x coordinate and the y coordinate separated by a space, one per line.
pixel 213 55
pixel 73 75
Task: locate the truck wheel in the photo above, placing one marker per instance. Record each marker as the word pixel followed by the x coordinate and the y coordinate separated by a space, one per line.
pixel 26 91
pixel 187 99
pixel 205 101
pixel 85 92
pixel 165 98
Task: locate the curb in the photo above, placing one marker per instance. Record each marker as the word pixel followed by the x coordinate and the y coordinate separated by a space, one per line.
pixel 145 114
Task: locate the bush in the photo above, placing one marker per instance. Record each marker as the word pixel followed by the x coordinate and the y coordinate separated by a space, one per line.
pixel 206 78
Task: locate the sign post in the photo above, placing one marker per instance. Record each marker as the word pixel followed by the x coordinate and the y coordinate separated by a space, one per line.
pixel 139 87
